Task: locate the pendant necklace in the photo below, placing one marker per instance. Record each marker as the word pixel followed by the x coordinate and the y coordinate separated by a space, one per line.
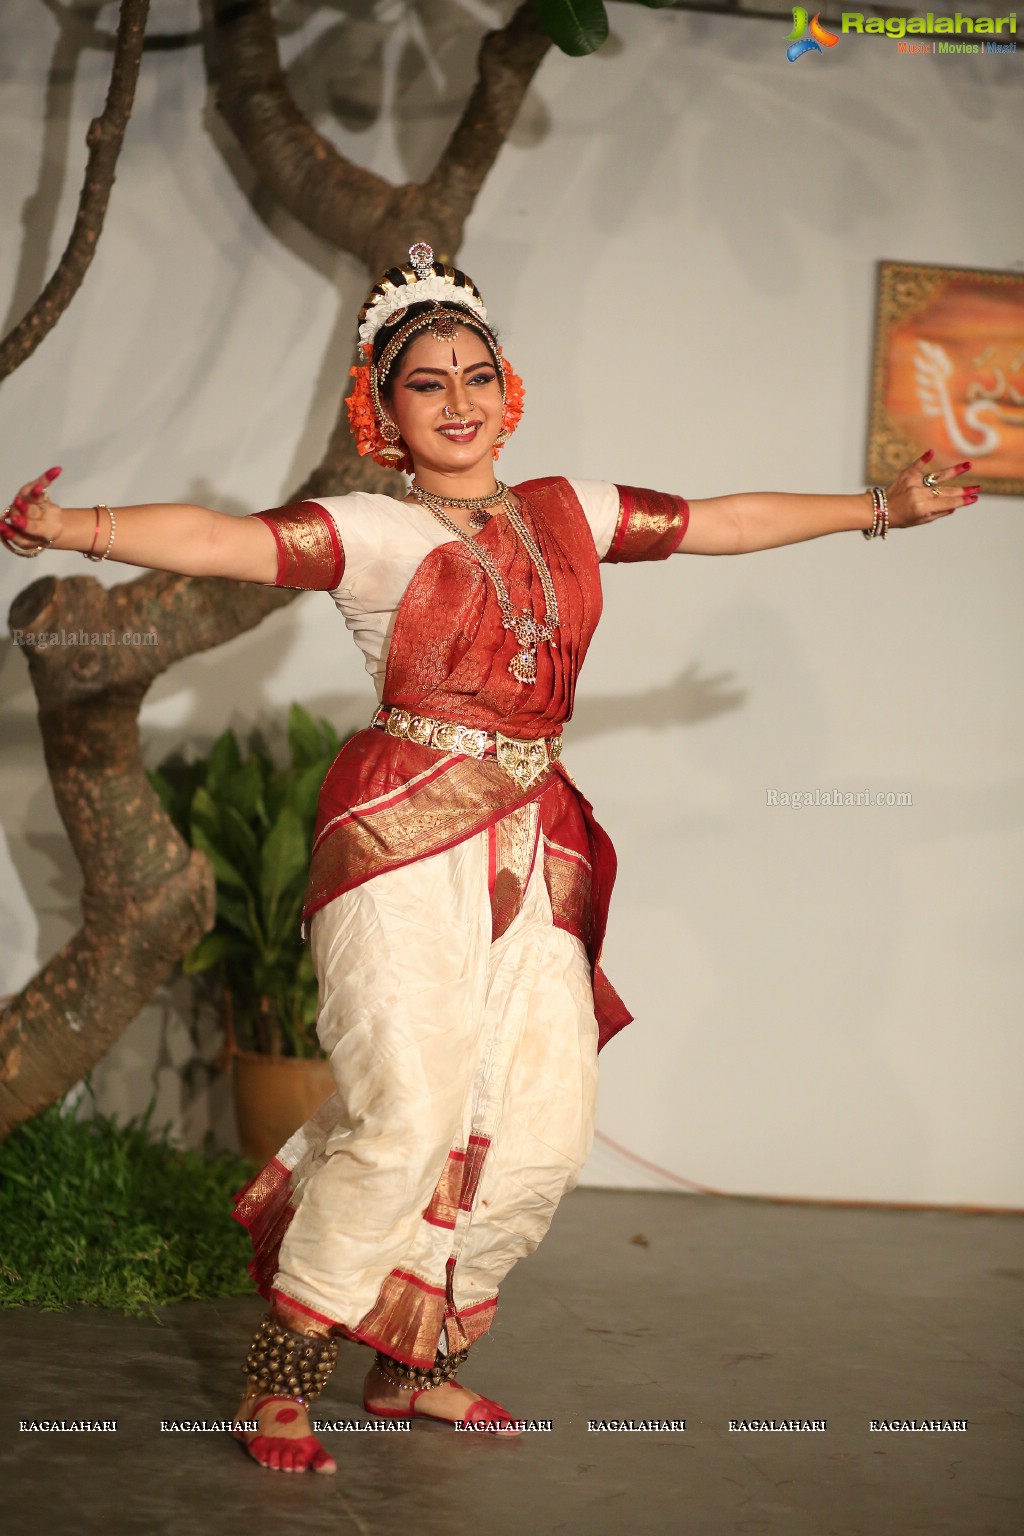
pixel 529 632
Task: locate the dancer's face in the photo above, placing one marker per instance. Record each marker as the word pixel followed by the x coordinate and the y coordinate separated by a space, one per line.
pixel 461 375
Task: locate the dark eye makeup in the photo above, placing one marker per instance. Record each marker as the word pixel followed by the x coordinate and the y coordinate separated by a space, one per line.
pixel 423 386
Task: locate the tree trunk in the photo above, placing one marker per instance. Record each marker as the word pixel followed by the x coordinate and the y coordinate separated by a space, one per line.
pixel 148 898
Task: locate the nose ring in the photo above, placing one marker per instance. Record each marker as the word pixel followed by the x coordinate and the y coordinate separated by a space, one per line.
pixel 449 412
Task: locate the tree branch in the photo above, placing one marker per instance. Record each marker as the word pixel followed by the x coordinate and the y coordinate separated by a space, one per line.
pixel 353 208
pixel 506 64
pixel 104 138
pixel 742 11
pixel 325 191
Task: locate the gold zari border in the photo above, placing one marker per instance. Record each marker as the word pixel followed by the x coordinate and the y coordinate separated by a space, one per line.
pixel 650 526
pixel 309 554
pixel 570 891
pixel 435 815
pixel 407 1318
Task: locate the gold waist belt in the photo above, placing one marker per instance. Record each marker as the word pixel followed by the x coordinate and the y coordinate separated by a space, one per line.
pixel 523 761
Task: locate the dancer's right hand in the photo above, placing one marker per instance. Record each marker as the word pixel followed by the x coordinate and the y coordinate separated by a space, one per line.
pixel 32 518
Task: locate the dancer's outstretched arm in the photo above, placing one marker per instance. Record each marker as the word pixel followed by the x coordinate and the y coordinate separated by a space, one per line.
pixel 160 536
pixel 737 525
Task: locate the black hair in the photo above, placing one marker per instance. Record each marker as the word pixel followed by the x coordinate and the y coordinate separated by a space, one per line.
pixel 385 333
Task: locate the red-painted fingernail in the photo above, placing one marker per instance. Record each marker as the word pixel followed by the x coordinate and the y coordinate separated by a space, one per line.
pixel 21 503
pixel 974 489
pixel 19 518
pixel 969 501
pixel 37 490
pixel 929 455
pixel 961 467
pixel 51 474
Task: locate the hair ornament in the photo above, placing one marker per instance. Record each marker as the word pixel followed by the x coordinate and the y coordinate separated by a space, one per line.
pixel 420 280
pixel 422 258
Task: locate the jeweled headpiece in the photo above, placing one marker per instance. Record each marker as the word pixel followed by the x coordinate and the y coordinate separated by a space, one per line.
pixel 422 281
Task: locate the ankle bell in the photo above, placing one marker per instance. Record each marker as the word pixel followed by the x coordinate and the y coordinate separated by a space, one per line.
pixel 287 1363
pixel 412 1378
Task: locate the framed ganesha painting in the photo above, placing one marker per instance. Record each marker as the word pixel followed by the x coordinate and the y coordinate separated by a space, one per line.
pixel 949 372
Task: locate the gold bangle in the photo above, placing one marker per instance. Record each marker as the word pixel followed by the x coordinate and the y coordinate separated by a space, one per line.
pixel 26 551
pixel 88 553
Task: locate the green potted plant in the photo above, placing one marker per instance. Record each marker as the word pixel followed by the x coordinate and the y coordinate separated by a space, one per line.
pixel 254 820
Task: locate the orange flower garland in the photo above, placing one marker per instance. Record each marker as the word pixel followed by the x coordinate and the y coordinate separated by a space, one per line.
pixel 365 427
pixel 513 400
pixel 362 420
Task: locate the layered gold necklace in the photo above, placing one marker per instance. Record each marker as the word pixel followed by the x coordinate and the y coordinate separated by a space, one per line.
pixel 529 632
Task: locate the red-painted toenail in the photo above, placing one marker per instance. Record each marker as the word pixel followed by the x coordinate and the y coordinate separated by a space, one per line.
pixel 286 1415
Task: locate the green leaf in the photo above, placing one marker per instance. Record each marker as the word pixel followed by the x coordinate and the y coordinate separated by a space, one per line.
pixel 577 26
pixel 241 844
pixel 304 795
pixel 245 791
pixel 331 739
pixel 205 811
pixel 210 951
pixel 283 857
pixel 283 930
pixel 239 912
pixel 303 737
pixel 224 761
pixel 226 873
pixel 275 793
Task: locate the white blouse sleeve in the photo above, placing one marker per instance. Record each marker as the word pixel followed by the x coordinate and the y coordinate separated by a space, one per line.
pixel 600 502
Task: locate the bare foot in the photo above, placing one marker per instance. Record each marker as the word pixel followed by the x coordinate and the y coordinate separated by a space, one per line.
pixel 284 1440
pixel 451 1402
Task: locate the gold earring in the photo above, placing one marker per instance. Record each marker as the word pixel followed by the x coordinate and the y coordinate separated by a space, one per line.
pixel 390 433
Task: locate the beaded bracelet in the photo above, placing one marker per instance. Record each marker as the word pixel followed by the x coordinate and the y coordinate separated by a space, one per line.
pixel 110 540
pixel 880 521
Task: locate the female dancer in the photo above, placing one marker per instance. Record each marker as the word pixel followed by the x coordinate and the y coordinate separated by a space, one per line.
pixel 459 883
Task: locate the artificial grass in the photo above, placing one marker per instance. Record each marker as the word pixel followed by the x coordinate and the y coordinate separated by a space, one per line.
pixel 98 1214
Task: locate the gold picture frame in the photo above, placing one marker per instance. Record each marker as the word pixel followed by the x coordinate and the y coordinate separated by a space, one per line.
pixel 949 373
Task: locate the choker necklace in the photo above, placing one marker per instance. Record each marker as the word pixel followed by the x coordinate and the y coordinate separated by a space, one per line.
pixel 480 518
pixel 529 632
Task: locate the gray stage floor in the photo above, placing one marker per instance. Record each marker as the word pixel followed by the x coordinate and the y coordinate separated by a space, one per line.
pixel 730 1309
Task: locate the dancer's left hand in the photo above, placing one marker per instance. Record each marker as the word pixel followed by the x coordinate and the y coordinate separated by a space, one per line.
pixel 32 519
pixel 912 502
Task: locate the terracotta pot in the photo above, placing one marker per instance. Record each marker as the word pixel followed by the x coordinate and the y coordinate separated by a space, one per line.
pixel 274 1095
